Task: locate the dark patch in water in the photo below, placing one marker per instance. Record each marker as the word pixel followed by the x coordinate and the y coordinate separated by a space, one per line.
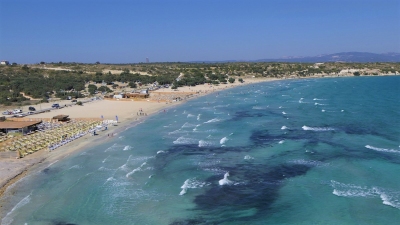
pixel 190 222
pixel 258 188
pixel 63 223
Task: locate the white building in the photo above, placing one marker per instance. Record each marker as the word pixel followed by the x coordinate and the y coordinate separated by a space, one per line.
pixel 5 62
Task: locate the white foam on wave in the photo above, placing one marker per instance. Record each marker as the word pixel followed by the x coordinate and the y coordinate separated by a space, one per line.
pixel 198 117
pixel 112 147
pixel 126 148
pixel 109 179
pixel 213 120
pixel 221 106
pixel 323 110
pixel 318 103
pixel 218 113
pixel 8 219
pixel 75 167
pixel 179 131
pixel 102 168
pixel 190 115
pixel 160 152
pixel 317 99
pixel 281 142
pixel 283 112
pixel 106 159
pixel 136 170
pixel 284 127
pixel 125 166
pixel 223 140
pixel 225 181
pixel 192 183
pixel 388 197
pixel 247 157
pixel 195 129
pixel 382 149
pixel 184 140
pixel 317 128
pixel 203 143
pixel 307 162
pixel 260 107
pixel 188 125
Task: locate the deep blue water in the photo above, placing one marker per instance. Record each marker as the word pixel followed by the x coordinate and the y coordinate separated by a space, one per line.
pixel 317 151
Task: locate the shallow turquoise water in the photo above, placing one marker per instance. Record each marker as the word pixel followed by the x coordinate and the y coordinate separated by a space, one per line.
pixel 318 151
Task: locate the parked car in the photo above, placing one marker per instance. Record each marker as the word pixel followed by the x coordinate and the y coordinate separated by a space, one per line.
pixel 55 105
pixel 7 112
pixel 31 113
pixel 17 111
pixel 31 108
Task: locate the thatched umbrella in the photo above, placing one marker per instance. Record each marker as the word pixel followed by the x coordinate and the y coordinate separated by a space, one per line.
pixel 61 117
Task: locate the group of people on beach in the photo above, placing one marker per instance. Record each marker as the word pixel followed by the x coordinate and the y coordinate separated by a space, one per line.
pixel 141 113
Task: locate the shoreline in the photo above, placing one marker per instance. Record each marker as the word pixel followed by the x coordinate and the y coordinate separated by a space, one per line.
pixel 34 161
pixel 43 158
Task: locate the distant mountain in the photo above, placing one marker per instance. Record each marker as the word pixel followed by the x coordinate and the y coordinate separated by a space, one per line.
pixel 361 57
pixel 357 57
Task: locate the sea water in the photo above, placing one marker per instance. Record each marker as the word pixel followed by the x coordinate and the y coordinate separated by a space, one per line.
pixel 311 151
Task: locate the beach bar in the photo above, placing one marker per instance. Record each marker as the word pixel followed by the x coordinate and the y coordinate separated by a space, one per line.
pixel 18 126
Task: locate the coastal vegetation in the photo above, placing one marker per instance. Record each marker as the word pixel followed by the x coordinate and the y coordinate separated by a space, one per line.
pixel 25 84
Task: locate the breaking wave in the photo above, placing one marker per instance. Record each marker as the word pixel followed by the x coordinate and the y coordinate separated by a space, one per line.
pixel 388 197
pixel 126 148
pixel 223 140
pixel 213 120
pixel 8 219
pixel 188 125
pixel 184 140
pixel 225 181
pixel 192 183
pixel 203 143
pixel 247 157
pixel 318 128
pixel 382 149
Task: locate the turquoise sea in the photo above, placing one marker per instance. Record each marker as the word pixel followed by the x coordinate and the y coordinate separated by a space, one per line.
pixel 310 151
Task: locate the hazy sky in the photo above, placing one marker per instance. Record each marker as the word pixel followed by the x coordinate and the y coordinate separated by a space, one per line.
pixel 117 31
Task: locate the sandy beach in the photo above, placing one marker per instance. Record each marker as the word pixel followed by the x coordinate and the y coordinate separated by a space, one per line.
pixel 128 112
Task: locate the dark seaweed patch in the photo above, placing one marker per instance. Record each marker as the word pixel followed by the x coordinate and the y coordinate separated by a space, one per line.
pixel 258 188
pixel 63 223
pixel 190 222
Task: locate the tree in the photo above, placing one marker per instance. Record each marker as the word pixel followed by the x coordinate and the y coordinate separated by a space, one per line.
pixel 356 73
pixel 240 80
pixel 231 80
pixel 92 89
pixel 132 85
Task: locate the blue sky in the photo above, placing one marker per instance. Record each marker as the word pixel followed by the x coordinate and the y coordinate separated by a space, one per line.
pixel 189 30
